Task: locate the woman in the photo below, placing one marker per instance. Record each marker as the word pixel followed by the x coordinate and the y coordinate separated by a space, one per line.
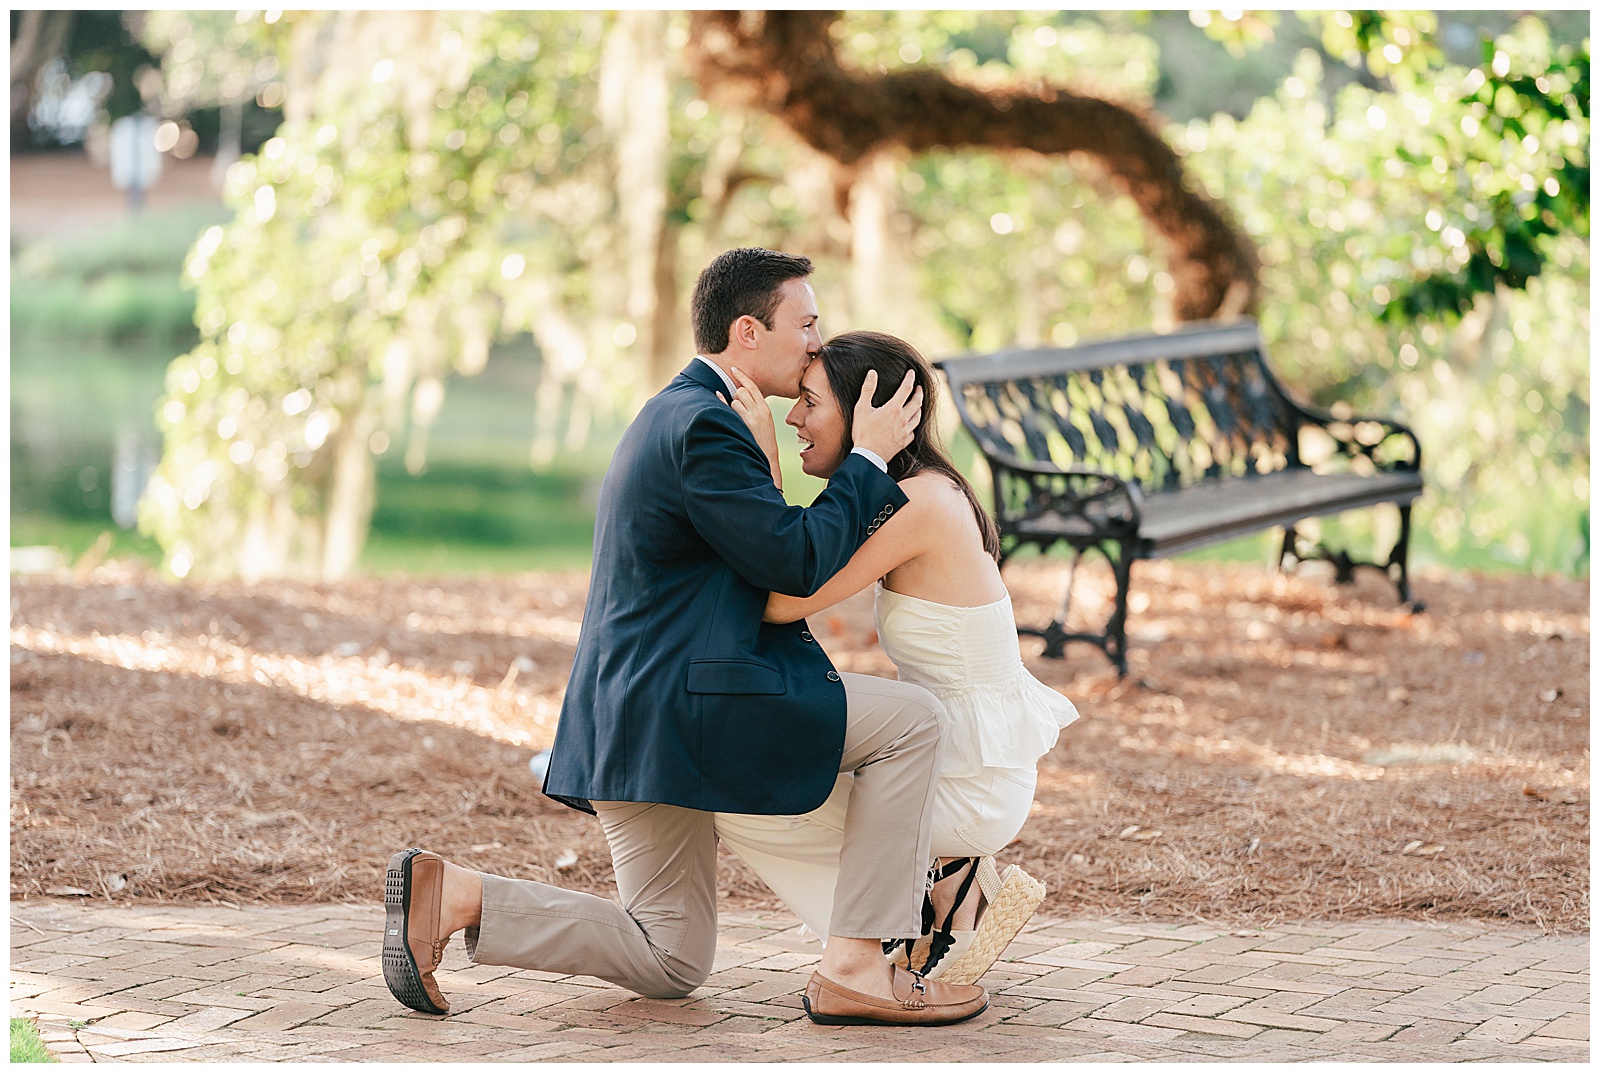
pixel 944 617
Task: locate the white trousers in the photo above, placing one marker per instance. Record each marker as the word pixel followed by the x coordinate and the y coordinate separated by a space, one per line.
pixel 798 856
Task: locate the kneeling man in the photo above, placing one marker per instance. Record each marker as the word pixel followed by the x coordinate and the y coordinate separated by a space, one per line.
pixel 682 703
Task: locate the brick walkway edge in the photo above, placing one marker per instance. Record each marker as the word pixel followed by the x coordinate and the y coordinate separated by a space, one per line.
pixel 155 983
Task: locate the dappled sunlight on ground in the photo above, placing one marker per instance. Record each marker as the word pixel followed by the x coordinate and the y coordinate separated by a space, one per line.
pixel 1282 748
pixel 503 712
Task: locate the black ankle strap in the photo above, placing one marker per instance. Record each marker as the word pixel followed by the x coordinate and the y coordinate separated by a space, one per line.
pixel 940 941
pixel 953 867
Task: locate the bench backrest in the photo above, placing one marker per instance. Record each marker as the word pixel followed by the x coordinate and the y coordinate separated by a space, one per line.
pixel 1166 411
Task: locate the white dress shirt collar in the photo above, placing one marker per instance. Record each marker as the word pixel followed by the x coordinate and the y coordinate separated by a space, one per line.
pixel 726 379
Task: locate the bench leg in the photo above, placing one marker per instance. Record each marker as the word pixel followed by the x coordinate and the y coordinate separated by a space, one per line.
pixel 1066 597
pixel 1344 566
pixel 1116 645
pixel 1055 634
pixel 1113 641
pixel 1396 566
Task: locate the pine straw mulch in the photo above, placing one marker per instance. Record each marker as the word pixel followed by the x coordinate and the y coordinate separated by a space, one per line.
pixel 1282 749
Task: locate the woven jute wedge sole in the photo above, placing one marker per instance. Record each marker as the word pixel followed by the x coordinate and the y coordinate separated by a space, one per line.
pixel 1012 901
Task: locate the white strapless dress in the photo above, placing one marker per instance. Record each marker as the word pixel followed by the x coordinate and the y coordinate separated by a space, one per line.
pixel 999 715
pixel 999 721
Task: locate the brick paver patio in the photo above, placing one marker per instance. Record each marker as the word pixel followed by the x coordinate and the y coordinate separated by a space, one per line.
pixel 153 983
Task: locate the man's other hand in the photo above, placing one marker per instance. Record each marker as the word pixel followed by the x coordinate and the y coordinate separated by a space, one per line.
pixel 886 430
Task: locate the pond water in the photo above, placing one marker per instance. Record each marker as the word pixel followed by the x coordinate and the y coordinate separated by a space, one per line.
pixel 83 433
pixel 84 442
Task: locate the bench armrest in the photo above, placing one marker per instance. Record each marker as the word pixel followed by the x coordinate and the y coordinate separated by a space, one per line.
pixel 1388 445
pixel 1100 503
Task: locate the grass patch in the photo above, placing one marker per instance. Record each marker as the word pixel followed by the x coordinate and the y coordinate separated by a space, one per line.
pixel 25 1043
pixel 151 240
pixel 461 516
pixel 390 556
pixel 119 306
pixel 119 283
pixel 467 504
pixel 75 536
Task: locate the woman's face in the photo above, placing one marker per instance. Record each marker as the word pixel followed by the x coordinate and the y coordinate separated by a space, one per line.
pixel 818 422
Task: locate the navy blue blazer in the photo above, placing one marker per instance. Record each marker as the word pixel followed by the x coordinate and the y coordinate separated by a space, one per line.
pixel 679 692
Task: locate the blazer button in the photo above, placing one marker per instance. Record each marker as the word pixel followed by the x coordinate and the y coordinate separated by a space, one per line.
pixel 805 635
pixel 833 676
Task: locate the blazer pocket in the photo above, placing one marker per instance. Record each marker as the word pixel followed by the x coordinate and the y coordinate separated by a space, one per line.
pixel 733 676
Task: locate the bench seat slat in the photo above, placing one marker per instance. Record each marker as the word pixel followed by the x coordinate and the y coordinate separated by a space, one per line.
pixel 1208 513
pixel 1214 511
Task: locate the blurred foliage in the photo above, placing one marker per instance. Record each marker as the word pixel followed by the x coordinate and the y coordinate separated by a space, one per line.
pixel 387 235
pixel 222 79
pixel 1241 32
pixel 378 245
pixel 1509 147
pixel 1519 158
pixel 212 57
pixel 1513 136
pixel 101 41
pixel 1499 397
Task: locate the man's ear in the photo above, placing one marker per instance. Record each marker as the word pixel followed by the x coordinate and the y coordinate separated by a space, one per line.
pixel 743 333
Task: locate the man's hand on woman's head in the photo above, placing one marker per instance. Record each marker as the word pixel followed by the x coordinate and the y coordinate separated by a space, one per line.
pixel 886 430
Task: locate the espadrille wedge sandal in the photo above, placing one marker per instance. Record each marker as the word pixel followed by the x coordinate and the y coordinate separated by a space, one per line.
pixel 1008 903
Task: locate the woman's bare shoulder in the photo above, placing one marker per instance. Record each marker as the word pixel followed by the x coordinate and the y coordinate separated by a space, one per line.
pixel 934 491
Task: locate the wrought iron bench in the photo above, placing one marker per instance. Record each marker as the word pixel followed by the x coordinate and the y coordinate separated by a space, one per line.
pixel 1151 445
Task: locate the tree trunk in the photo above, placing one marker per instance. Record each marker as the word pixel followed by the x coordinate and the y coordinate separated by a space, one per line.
pixel 882 294
pixel 633 108
pixel 350 495
pixel 41 36
pixel 784 62
pixel 666 355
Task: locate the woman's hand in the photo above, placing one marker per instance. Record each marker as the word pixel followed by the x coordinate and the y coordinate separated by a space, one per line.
pixel 752 408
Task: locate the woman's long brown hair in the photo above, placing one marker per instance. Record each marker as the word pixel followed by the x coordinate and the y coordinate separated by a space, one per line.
pixel 846 358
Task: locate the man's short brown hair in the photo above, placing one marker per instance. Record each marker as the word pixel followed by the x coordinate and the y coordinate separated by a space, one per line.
pixel 741 282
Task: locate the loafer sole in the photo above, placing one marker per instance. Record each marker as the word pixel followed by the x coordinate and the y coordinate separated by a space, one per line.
pixel 399 967
pixel 841 1019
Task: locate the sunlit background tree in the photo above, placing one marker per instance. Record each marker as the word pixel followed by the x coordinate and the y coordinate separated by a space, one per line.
pixel 1406 213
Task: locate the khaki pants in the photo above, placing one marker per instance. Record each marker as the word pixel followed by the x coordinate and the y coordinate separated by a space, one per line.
pixel 661 941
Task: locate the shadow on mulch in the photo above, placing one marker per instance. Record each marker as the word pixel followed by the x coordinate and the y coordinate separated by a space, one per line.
pixel 1281 749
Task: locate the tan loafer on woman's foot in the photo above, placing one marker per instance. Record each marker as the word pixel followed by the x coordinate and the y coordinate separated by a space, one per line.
pixel 916 1002
pixel 413 892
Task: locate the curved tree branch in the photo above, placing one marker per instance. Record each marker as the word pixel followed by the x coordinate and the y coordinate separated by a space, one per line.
pixel 784 63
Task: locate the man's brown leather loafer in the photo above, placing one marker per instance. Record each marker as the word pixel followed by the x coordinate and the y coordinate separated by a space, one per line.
pixel 916 1002
pixel 413 892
